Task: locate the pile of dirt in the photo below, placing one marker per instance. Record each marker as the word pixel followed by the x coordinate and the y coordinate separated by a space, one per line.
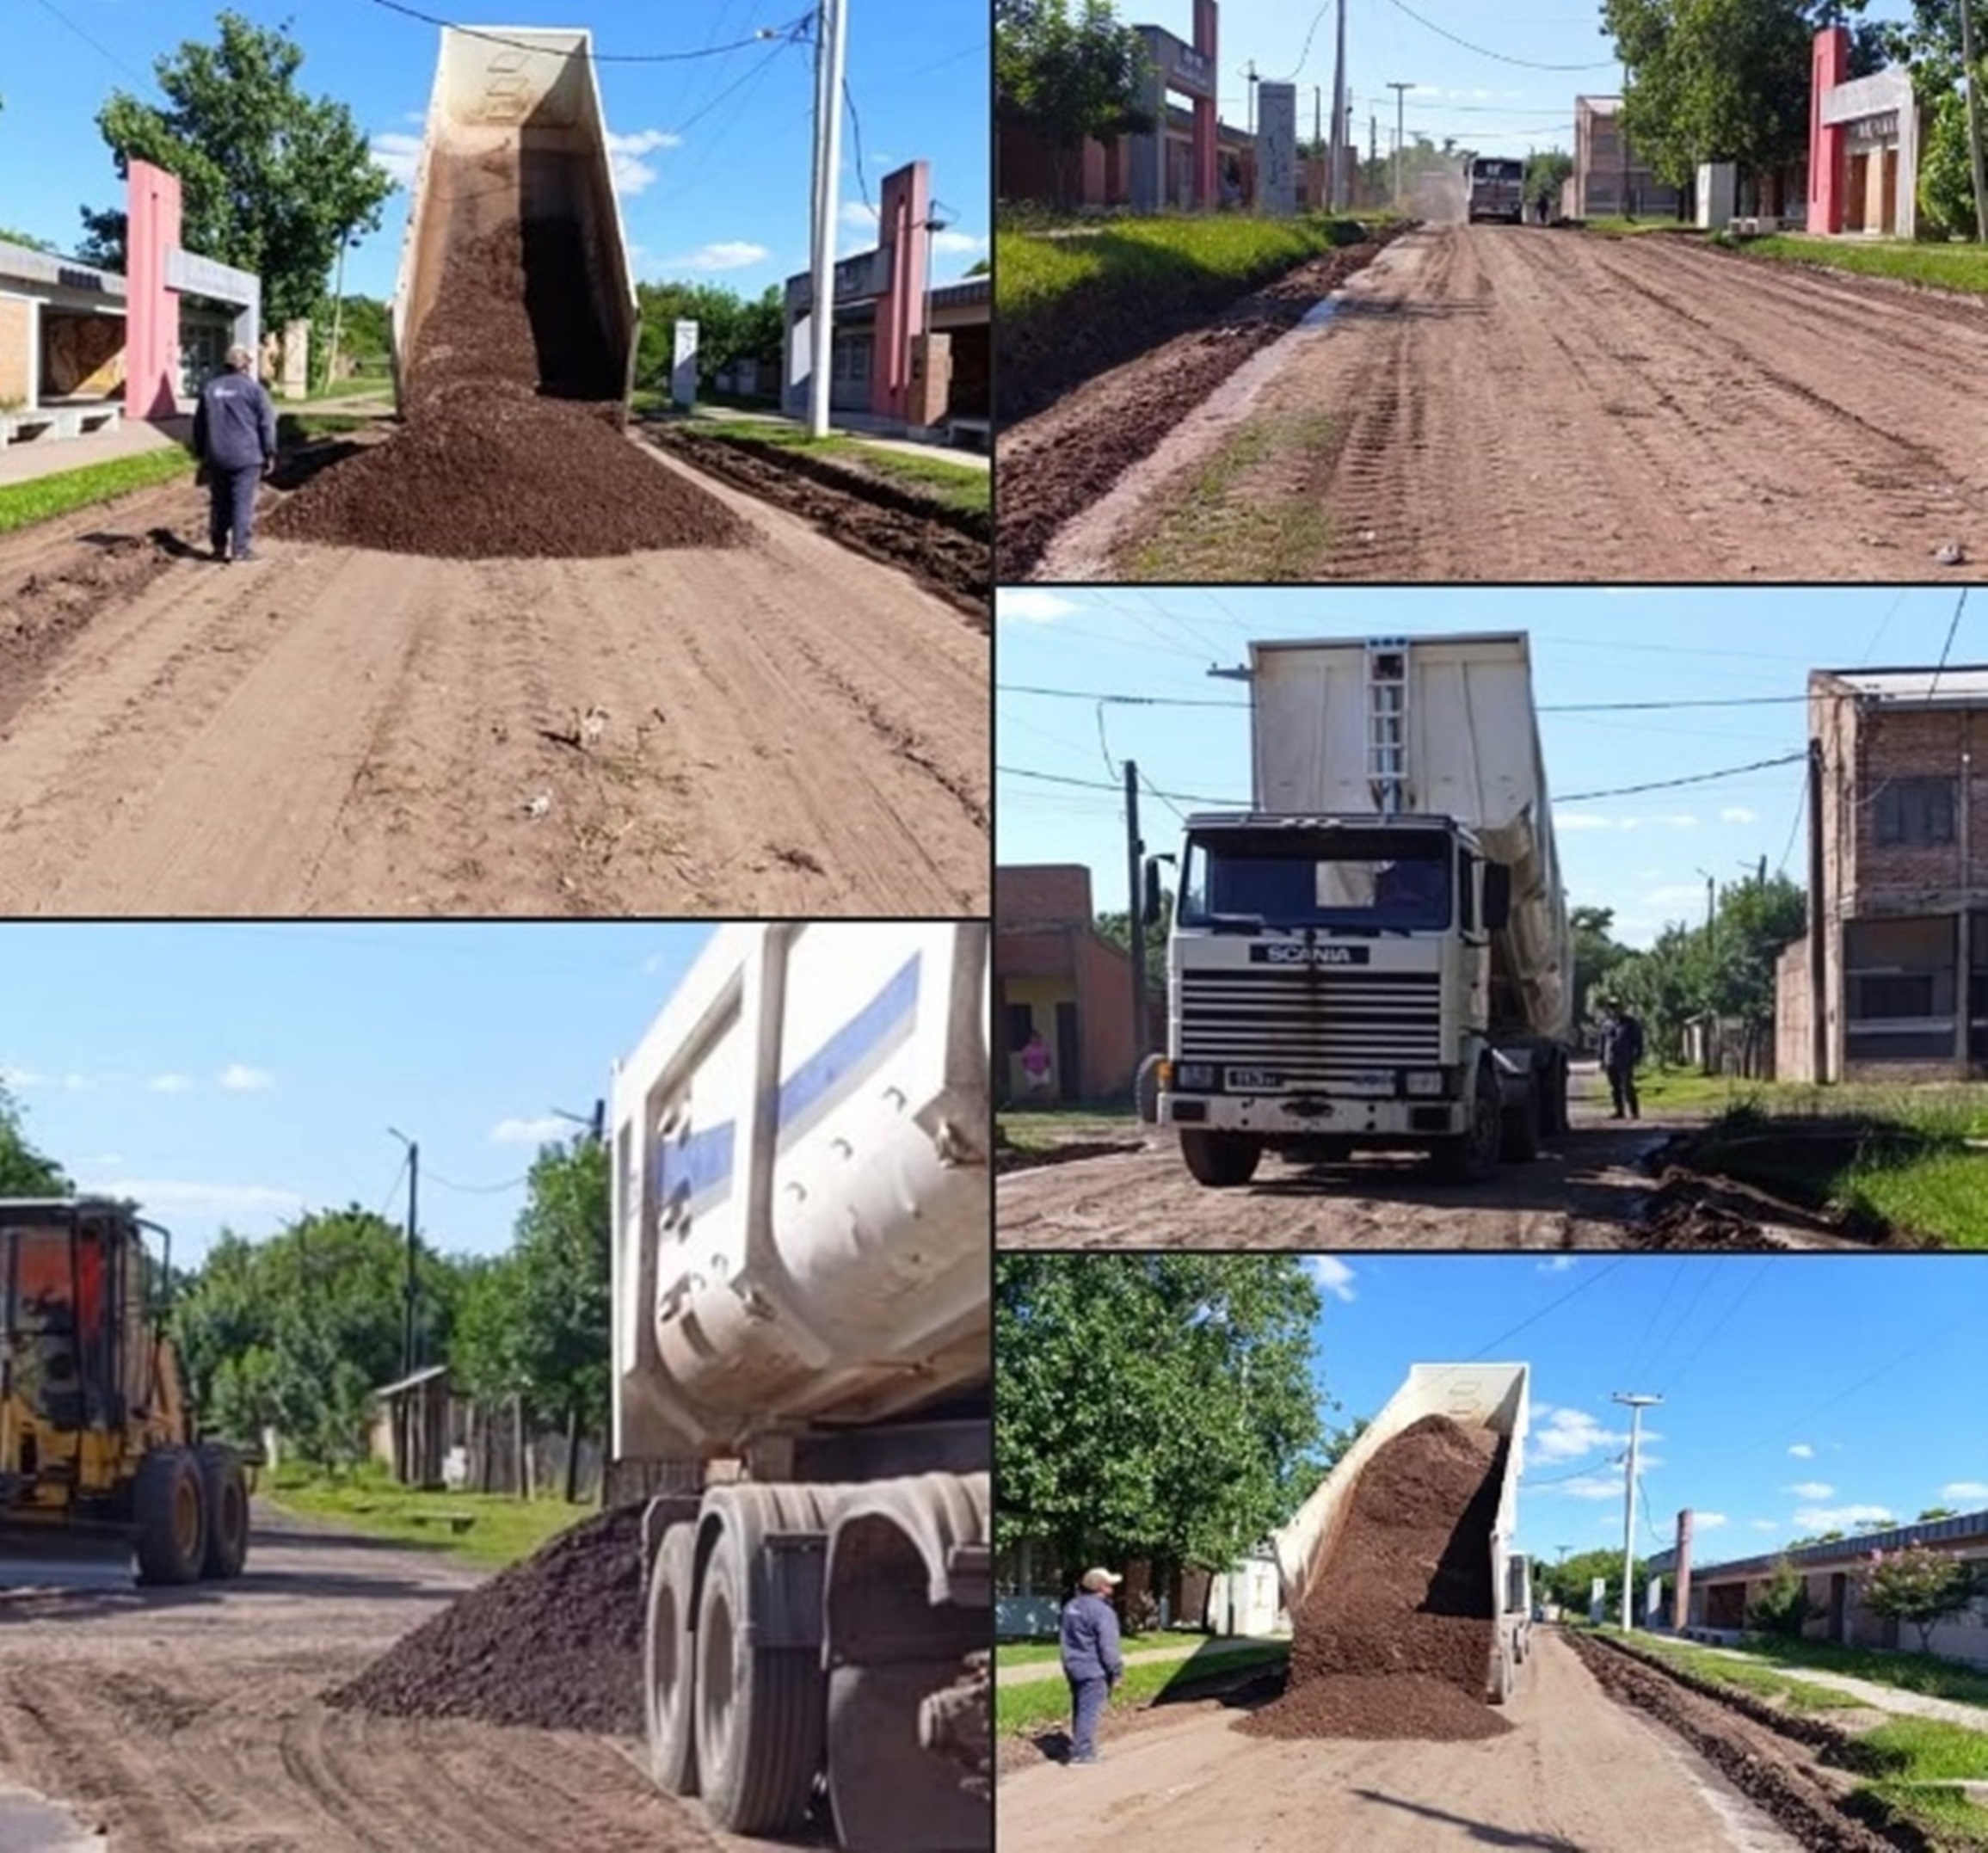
pixel 961 1719
pixel 1395 1638
pixel 511 448
pixel 554 1643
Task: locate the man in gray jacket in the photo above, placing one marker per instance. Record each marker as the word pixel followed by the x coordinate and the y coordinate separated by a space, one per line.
pixel 234 437
pixel 1091 1661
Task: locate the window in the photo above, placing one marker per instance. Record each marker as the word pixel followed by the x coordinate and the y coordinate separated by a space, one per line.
pixel 1892 995
pixel 1916 812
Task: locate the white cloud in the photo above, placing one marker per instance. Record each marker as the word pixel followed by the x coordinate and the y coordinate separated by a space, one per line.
pixel 950 244
pixel 398 154
pixel 631 173
pixel 1802 1451
pixel 1593 1487
pixel 1738 814
pixel 1582 820
pixel 1763 1524
pixel 858 216
pixel 1964 1489
pixel 239 1078
pixel 527 1131
pixel 1809 1489
pixel 728 254
pixel 1708 1521
pixel 1566 1434
pixel 188 1197
pixel 170 1083
pixel 1679 820
pixel 1842 1518
pixel 1333 1274
pixel 1677 895
pixel 1030 605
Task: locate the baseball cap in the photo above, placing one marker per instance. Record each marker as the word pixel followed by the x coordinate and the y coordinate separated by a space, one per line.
pixel 1100 1579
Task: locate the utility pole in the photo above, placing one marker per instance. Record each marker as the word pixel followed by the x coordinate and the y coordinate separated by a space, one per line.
pixel 1973 119
pixel 1636 1407
pixel 830 31
pixel 1336 194
pixel 409 1289
pixel 1401 92
pixel 1136 918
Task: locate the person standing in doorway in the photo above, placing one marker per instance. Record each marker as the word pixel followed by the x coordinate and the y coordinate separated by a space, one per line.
pixel 1622 1052
pixel 1091 1661
pixel 1038 1071
pixel 234 437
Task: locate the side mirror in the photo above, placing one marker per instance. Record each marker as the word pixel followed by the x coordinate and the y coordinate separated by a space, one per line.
pixel 1497 896
pixel 1156 900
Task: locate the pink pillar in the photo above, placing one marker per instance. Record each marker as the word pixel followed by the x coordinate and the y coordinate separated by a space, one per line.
pixel 151 326
pixel 1207 186
pixel 904 205
pixel 1826 140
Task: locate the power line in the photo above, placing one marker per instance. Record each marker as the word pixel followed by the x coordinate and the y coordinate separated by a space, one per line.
pixel 1947 649
pixel 477 1190
pixel 1670 784
pixel 856 132
pixel 96 45
pixel 1597 1275
pixel 760 37
pixel 1501 57
pixel 1559 707
pixel 1720 1324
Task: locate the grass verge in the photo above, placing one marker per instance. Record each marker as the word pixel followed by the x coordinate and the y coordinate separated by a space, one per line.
pixel 23 504
pixel 1638 228
pixel 1045 1131
pixel 505 1530
pixel 293 428
pixel 962 486
pixel 1763 1681
pixel 1944 267
pixel 1923 1673
pixel 1910 1759
pixel 1033 1704
pixel 1030 1653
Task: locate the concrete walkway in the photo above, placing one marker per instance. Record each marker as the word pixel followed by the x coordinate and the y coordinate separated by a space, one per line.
pixel 1215 1645
pixel 1869 1692
pixel 40 456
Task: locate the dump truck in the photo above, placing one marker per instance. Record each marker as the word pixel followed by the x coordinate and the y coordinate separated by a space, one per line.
pixel 98 1451
pixel 802 1369
pixel 1377 955
pixel 514 135
pixel 1475 1396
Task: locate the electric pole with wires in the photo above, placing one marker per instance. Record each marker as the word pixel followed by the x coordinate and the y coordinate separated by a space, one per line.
pixel 1636 1406
pixel 1136 918
pixel 831 26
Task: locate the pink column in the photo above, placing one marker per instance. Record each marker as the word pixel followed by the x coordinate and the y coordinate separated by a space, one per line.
pixel 1826 140
pixel 904 205
pixel 152 325
pixel 1207 186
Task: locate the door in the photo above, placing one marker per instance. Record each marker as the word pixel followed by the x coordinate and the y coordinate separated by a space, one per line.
pixel 1856 193
pixel 1069 1054
pixel 1839 1584
pixel 1889 205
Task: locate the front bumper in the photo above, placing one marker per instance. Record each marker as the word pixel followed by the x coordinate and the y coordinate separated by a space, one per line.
pixel 1313 1116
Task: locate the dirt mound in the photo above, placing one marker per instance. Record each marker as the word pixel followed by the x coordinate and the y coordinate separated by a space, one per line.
pixel 553 1642
pixel 511 449
pixel 961 1718
pixel 1395 1638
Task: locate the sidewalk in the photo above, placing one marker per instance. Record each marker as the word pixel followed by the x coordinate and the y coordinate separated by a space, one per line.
pixel 29 462
pixel 1215 1645
pixel 1877 1697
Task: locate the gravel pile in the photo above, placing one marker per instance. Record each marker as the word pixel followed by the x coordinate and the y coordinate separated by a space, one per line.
pixel 1395 1638
pixel 554 1643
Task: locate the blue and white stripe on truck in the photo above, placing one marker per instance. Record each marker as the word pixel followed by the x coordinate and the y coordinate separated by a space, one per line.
pixel 700 1169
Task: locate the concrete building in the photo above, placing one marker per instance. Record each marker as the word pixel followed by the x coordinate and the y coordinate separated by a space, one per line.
pixel 1864 146
pixel 1610 180
pixel 1723 1594
pixel 1055 973
pixel 1892 982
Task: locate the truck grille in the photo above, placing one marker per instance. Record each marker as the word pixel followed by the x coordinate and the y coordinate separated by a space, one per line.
pixel 1313 1027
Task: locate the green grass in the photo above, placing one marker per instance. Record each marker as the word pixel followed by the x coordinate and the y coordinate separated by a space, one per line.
pixel 1923 1673
pixel 1923 1750
pixel 1769 1682
pixel 1034 1703
pixel 1042 1131
pixel 1635 228
pixel 23 504
pixel 1945 267
pixel 1949 1821
pixel 1685 1090
pixel 963 486
pixel 505 1530
pixel 1030 1653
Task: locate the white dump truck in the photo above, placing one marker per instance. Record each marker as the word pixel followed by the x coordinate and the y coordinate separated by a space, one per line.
pixel 1377 955
pixel 1484 1396
pixel 515 133
pixel 802 1362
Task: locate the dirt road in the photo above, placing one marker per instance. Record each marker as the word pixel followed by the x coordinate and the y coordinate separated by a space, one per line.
pixel 1586 1190
pixel 783 728
pixel 1495 403
pixel 185 1722
pixel 1577 1772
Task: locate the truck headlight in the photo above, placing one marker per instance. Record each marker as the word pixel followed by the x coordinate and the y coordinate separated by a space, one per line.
pixel 1425 1081
pixel 1194 1077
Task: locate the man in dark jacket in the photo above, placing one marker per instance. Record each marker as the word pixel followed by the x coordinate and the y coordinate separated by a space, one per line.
pixel 234 437
pixel 1092 1662
pixel 1622 1050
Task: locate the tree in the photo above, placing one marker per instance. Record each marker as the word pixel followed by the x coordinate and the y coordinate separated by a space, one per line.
pixel 1595 954
pixel 1922 1586
pixel 730 329
pixel 28 239
pixel 1782 1607
pixel 1544 174
pixel 1069 73
pixel 272 181
pixel 25 1172
pixel 1155 1406
pixel 1570 1582
pixel 1116 929
pixel 1933 1512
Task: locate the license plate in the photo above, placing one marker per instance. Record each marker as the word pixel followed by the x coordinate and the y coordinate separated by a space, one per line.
pixel 1254 1081
pixel 1372 1080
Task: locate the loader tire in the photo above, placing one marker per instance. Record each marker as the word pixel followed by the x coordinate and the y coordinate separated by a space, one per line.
pixel 170 1505
pixel 226 1488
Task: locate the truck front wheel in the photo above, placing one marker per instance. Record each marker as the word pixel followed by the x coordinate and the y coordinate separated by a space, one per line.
pixel 1472 1156
pixel 1220 1161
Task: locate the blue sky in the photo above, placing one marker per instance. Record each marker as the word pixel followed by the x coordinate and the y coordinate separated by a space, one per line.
pixel 1802 1394
pixel 714 186
pixel 1645 856
pixel 1491 97
pixel 231 1074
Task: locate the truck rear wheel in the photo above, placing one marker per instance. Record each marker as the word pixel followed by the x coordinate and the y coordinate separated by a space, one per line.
pixel 170 1505
pixel 667 1648
pixel 225 1488
pixel 1519 1143
pixel 1220 1161
pixel 1472 1157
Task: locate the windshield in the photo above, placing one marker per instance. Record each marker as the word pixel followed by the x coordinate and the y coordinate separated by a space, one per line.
pixel 1497 170
pixel 1352 881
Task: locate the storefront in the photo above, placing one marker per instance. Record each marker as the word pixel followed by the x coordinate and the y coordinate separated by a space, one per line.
pixel 1863 163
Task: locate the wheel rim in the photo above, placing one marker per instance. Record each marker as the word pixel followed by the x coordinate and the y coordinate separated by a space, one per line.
pixel 715 1690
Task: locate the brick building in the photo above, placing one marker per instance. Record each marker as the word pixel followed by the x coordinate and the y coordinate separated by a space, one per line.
pixel 1610 180
pixel 1054 972
pixel 1892 982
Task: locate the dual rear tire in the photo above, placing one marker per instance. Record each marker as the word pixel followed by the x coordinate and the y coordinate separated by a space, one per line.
pixel 190 1513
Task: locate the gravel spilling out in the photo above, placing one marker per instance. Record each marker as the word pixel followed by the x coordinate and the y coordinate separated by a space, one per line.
pixel 512 446
pixel 1394 1640
pixel 554 1643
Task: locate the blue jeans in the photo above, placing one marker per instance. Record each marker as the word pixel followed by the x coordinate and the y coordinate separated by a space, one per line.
pixel 231 505
pixel 1088 1700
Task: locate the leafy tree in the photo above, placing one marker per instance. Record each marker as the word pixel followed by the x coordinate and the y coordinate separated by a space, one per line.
pixel 1595 954
pixel 33 243
pixel 1570 1582
pixel 365 343
pixel 1782 1607
pixel 272 180
pixel 1933 1512
pixel 1157 1405
pixel 730 328
pixel 1544 174
pixel 1069 72
pixel 1118 930
pixel 1922 1586
pixel 25 1172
